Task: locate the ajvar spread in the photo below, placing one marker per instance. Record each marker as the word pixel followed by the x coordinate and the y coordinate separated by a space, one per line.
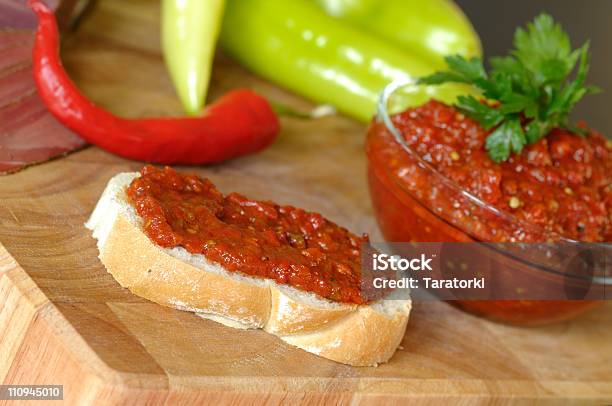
pixel 257 238
pixel 559 187
pixel 562 184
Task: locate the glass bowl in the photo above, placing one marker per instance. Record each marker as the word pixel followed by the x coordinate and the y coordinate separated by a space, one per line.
pixel 413 202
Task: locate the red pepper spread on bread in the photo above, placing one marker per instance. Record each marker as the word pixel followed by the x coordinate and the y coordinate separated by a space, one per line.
pixel 257 238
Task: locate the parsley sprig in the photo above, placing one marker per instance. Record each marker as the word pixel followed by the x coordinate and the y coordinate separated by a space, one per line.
pixel 531 88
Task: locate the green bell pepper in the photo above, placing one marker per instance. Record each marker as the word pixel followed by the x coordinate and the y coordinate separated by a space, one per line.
pixel 430 28
pixel 297 45
pixel 189 34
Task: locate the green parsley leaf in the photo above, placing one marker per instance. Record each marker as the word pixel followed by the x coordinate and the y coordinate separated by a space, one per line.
pixel 470 68
pixel 462 71
pixel 488 116
pixel 508 137
pixel 531 85
pixel 544 49
pixel 536 130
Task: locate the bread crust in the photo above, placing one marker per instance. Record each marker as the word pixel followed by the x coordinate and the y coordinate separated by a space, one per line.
pixel 360 335
pixel 289 315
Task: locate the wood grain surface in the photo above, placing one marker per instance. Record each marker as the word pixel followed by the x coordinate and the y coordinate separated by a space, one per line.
pixel 64 320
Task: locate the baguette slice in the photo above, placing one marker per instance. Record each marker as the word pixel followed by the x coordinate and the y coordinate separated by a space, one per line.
pixel 360 335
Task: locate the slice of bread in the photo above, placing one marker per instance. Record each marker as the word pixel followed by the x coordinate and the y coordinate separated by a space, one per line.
pixel 360 335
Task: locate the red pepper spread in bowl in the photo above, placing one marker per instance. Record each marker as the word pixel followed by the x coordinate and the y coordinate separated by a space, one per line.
pixel 506 166
pixel 561 183
pixel 557 188
pixel 257 238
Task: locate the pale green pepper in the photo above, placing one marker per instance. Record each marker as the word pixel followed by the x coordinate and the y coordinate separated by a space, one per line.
pixel 432 29
pixel 297 45
pixel 189 34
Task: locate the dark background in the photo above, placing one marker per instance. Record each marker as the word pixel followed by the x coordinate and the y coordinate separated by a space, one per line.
pixel 496 20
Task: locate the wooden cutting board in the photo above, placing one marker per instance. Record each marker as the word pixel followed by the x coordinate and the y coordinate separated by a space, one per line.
pixel 64 320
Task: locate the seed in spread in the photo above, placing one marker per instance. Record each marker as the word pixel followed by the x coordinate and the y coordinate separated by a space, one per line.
pixel 257 238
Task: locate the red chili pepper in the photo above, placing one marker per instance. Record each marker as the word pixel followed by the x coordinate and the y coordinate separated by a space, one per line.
pixel 239 123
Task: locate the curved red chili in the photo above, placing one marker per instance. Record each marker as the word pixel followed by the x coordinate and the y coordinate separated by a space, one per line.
pixel 239 123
